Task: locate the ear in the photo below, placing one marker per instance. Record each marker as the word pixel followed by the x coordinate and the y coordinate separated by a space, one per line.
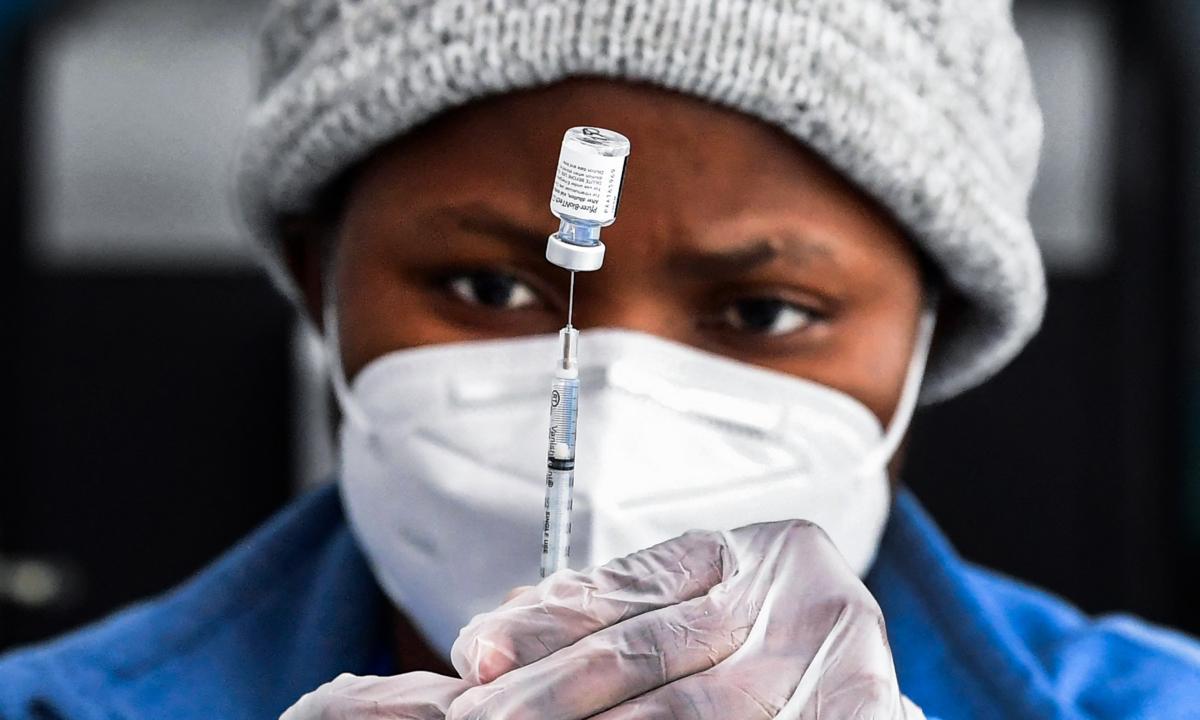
pixel 305 252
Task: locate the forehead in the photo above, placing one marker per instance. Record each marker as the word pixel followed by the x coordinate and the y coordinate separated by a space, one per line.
pixel 685 150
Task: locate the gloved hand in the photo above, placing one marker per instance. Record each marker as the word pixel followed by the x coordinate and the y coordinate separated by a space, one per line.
pixel 412 696
pixel 766 621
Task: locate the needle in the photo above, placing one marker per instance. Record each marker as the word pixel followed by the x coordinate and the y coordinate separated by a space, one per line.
pixel 571 300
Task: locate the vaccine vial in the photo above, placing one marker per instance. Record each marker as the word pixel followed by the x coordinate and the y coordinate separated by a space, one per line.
pixel 586 194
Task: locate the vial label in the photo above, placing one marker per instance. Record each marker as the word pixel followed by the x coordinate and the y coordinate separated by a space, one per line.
pixel 587 186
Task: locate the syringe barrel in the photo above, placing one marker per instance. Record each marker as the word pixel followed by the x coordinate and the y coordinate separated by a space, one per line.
pixel 556 531
pixel 560 472
pixel 564 411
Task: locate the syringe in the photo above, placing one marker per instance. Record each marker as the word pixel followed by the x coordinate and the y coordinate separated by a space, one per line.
pixel 560 460
pixel 587 191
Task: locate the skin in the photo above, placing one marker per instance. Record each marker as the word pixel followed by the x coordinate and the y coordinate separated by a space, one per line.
pixel 731 237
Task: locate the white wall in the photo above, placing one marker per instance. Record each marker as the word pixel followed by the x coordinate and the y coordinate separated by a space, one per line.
pixel 1070 46
pixel 137 109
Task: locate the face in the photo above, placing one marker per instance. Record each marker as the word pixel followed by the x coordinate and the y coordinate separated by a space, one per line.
pixel 730 237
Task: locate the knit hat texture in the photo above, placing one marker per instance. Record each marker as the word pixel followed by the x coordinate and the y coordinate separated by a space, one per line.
pixel 927 105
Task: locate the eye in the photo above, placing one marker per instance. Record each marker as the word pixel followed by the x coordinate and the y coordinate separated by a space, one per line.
pixel 495 290
pixel 766 316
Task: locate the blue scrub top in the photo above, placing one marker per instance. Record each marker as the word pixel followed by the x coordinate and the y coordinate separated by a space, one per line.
pixel 295 604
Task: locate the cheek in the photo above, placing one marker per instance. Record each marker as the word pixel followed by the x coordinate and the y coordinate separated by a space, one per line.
pixel 882 357
pixel 380 311
pixel 882 349
pixel 875 340
pixel 868 353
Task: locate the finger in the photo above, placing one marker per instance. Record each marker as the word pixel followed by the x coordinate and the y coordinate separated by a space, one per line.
pixel 571 605
pixel 494 654
pixel 713 696
pixel 413 696
pixel 517 591
pixel 911 711
pixel 771 690
pixel 696 698
pixel 827 661
pixel 617 663
pixel 815 647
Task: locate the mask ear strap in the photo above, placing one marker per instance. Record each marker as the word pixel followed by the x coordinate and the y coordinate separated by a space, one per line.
pixel 911 391
pixel 352 411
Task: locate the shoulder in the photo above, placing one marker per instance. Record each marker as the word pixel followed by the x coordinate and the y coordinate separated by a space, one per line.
pixel 221 645
pixel 1110 666
pixel 969 642
pixel 70 676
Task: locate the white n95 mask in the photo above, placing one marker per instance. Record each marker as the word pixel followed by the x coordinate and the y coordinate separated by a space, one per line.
pixel 443 460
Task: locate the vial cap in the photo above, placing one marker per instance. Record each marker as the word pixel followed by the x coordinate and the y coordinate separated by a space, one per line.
pixel 579 258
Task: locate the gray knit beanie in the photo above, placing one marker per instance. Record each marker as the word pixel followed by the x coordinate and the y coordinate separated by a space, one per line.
pixel 926 104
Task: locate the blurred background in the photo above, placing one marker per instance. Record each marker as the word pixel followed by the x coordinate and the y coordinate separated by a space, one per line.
pixel 162 400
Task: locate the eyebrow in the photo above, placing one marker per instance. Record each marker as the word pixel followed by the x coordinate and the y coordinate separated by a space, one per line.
pixel 481 219
pixel 755 253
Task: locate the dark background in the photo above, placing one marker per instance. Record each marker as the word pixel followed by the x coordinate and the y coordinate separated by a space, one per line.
pixel 160 399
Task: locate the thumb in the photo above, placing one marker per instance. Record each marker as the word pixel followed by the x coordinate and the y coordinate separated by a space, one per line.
pixel 516 591
pixel 489 658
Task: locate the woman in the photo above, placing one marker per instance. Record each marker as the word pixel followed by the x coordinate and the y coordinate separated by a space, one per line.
pixel 813 187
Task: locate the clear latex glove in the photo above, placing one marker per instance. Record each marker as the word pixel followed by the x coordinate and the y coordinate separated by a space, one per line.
pixel 412 696
pixel 766 621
